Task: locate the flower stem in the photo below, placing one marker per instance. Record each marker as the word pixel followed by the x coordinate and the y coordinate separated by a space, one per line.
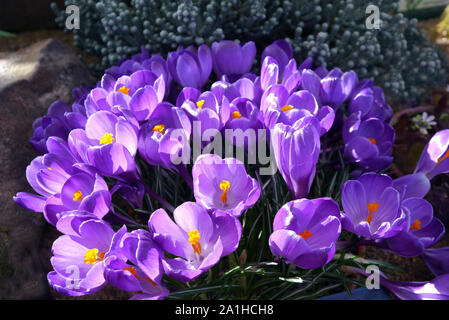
pixel 158 198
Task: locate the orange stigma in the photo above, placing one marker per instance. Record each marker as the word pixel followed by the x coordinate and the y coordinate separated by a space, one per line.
pixel 236 115
pixel 200 104
pixel 124 90
pixel 372 207
pixel 134 273
pixel 373 141
pixel 306 234
pixel 416 225
pixel 287 108
pixel 77 196
pixel 92 256
pixel 107 138
pixel 159 128
pixel 443 157
pixel 194 240
pixel 224 185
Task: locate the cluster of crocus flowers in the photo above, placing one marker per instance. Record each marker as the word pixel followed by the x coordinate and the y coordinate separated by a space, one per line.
pixel 97 155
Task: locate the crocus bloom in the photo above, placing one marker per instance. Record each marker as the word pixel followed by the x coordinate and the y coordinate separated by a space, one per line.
pixel 281 51
pixel 136 265
pixel 242 88
pixel 78 254
pixel 142 61
pixel 368 143
pixel 109 143
pixel 190 67
pixel 157 143
pixel 423 231
pixel 332 88
pixel 270 74
pixel 278 106
pixel 435 289
pixel 370 101
pixel 81 191
pixel 296 150
pixel 53 124
pixel 143 88
pixel 231 59
pixel 372 207
pixel 415 185
pixel 206 108
pixel 244 115
pixel 223 184
pixel 434 159
pixel 198 239
pixel 437 260
pixel 305 232
pixel 47 174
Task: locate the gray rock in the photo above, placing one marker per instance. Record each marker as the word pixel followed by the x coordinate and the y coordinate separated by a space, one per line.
pixel 30 80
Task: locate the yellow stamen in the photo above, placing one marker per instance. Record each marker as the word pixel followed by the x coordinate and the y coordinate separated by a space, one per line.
pixel 92 256
pixel 236 115
pixel 194 240
pixel 224 185
pixel 200 104
pixel 124 90
pixel 77 196
pixel 416 225
pixel 443 157
pixel 306 234
pixel 107 138
pixel 287 107
pixel 372 207
pixel 373 141
pixel 134 273
pixel 159 128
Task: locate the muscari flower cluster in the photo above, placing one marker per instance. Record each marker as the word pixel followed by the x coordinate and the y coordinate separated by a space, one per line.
pixel 397 56
pixel 93 152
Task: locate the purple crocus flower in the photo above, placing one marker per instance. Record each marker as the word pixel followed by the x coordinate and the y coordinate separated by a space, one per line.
pixel 244 115
pixel 372 207
pixel 437 260
pixel 53 124
pixel 231 59
pixel 423 231
pixel 281 51
pixel 78 254
pixel 330 88
pixel 165 134
pixel 370 101
pixel 223 184
pixel 434 159
pixel 139 93
pixel 142 61
pixel 296 150
pixel 242 88
pixel 81 191
pixel 136 265
pixel 47 175
pixel 436 289
pixel 198 239
pixel 109 143
pixel 278 106
pixel 271 73
pixel 368 143
pixel 415 185
pixel 209 111
pixel 190 67
pixel 305 232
